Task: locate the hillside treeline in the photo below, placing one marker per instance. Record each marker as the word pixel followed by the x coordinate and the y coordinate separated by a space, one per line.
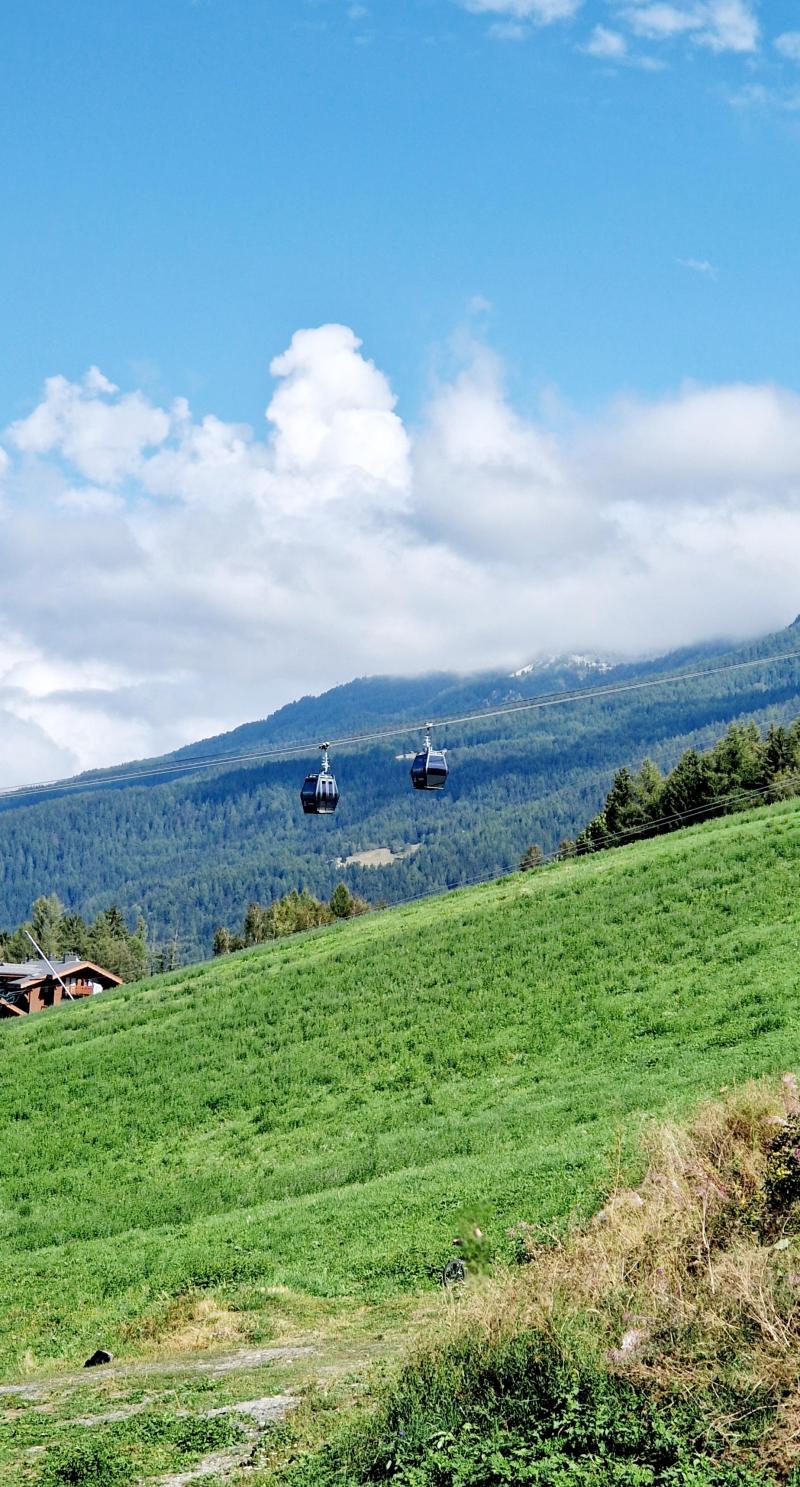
pixel 106 940
pixel 188 854
pixel 644 802
pixel 289 915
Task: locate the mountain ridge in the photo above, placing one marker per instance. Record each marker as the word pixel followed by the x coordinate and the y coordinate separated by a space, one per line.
pixel 190 851
pixel 387 699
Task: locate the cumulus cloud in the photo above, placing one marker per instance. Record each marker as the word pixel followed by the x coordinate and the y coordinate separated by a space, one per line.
pixel 720 25
pixel 788 44
pixel 333 413
pixel 487 479
pixel 101 439
pixel 539 12
pixel 205 573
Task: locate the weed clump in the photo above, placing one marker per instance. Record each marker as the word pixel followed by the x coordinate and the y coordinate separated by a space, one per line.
pixel 132 1449
pixel 87 1462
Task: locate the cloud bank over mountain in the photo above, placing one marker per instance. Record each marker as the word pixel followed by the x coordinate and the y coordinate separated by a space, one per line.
pixel 167 576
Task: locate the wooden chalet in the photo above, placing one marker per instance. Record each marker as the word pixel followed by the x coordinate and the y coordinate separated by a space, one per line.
pixel 30 986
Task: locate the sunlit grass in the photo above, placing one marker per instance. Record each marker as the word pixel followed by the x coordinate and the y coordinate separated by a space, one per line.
pixel 318 1114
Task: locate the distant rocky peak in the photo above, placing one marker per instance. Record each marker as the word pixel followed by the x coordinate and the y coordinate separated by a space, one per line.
pixel 574 662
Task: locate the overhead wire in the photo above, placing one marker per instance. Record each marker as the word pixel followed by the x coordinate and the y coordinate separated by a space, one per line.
pixel 714 808
pixel 620 838
pixel 481 880
pixel 198 762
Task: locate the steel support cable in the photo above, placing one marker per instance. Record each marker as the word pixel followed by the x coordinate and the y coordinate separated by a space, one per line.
pixel 621 838
pixel 715 806
pixel 290 750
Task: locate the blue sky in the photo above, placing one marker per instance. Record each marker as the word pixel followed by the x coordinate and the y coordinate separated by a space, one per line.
pixel 514 281
pixel 187 183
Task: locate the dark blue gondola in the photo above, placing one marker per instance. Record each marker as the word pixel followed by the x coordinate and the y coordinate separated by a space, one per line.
pixel 429 770
pixel 320 793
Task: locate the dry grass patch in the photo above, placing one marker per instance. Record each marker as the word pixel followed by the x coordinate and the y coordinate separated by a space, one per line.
pixel 190 1323
pixel 690 1283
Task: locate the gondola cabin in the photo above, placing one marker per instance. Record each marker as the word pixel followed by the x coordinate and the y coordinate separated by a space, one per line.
pixel 429 770
pixel 320 793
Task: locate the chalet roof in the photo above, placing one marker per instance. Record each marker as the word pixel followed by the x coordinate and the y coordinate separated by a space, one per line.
pixel 25 972
pixel 12 970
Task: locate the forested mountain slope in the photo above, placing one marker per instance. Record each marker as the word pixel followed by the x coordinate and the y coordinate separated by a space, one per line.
pixel 189 852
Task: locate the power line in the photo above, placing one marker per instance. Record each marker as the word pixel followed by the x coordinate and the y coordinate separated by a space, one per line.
pixel 716 806
pixel 290 750
pixel 619 838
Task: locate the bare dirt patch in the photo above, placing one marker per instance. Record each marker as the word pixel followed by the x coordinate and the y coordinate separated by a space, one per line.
pixel 378 856
pixel 220 1465
pixel 217 1367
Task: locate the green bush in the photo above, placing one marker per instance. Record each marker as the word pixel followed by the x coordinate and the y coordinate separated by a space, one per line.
pixel 86 1462
pixel 782 1180
pixel 519 1413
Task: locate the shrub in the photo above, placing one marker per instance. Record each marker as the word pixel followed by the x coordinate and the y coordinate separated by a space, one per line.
pixel 657 1346
pixel 86 1462
pixel 782 1178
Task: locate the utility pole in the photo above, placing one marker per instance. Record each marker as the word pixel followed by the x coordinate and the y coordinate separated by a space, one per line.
pixel 51 968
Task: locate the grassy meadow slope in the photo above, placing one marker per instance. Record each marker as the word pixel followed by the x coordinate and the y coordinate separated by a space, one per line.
pixel 312 1119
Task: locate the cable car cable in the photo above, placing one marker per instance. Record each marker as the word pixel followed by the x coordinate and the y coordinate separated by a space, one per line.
pixel 618 838
pixel 622 838
pixel 120 775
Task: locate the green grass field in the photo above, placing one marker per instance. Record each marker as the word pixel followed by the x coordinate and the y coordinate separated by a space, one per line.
pixel 303 1126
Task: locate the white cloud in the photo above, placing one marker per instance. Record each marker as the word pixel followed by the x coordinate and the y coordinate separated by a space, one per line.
pixel 539 12
pixel 95 381
pixel 612 48
pixel 720 25
pixel 101 439
pixel 658 22
pixel 699 266
pixel 211 574
pixel 89 498
pixel 788 44
pixel 509 31
pixel 704 445
pixel 334 412
pixel 758 96
pixel 607 45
